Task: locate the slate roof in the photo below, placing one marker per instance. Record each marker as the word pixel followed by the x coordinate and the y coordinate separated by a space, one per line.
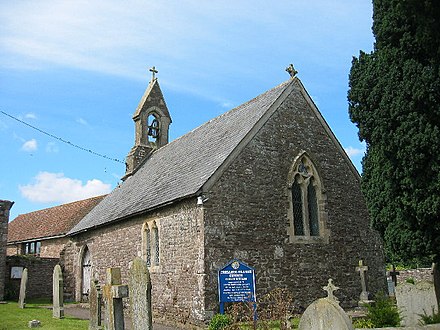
pixel 180 168
pixel 50 222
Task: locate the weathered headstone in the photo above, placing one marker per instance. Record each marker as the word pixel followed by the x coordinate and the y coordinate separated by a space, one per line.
pixel 364 296
pixel 58 293
pixel 414 300
pixel 114 291
pixel 325 313
pixel 95 303
pixel 34 324
pixel 139 286
pixel 23 285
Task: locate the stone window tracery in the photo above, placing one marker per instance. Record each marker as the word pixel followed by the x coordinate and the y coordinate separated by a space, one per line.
pixel 150 243
pixel 307 203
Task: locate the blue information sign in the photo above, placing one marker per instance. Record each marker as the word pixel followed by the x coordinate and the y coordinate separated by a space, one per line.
pixel 236 282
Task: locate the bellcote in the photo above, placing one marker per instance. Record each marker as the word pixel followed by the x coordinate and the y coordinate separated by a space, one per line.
pixel 151 123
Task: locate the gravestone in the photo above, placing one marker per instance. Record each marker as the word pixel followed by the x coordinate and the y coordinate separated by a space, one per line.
pixel 364 296
pixel 114 291
pixel 58 293
pixel 325 313
pixel 415 299
pixel 139 286
pixel 23 285
pixel 95 303
pixel 392 281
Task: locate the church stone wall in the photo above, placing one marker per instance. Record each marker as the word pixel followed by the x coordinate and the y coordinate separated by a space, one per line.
pixel 246 216
pixel 177 282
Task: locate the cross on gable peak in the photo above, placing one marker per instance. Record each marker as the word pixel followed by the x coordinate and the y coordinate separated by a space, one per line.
pixel 153 70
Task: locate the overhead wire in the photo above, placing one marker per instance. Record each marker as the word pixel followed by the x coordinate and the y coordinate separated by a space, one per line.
pixel 61 139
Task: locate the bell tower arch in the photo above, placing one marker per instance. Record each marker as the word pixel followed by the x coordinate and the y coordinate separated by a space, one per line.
pixel 151 123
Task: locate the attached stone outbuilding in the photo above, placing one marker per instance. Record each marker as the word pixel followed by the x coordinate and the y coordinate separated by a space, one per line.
pixel 267 183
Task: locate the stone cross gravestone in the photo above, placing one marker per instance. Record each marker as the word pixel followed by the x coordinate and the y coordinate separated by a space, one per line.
pixel 23 285
pixel 95 303
pixel 58 293
pixel 325 313
pixel 414 300
pixel 364 296
pixel 114 291
pixel 139 286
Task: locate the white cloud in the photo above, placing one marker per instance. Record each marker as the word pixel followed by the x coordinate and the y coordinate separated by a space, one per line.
pixel 30 116
pixel 55 187
pixel 178 37
pixel 30 145
pixel 52 147
pixel 82 121
pixel 351 152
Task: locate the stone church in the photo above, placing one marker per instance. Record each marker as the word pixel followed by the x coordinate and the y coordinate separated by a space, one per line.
pixel 266 183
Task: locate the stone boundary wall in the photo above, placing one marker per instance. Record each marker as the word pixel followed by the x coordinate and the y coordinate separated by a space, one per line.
pixel 419 274
pixel 40 271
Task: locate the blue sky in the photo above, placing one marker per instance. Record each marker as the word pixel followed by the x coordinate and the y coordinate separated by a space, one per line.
pixel 77 70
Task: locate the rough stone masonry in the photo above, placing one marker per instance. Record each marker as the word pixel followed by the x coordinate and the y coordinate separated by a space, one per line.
pixel 5 207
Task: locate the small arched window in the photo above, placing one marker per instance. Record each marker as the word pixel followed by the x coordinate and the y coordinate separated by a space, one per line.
pixel 156 244
pixel 150 243
pixel 147 245
pixel 306 202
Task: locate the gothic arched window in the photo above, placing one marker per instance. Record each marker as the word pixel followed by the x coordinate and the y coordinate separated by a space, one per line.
pixel 306 214
pixel 156 244
pixel 147 245
pixel 150 243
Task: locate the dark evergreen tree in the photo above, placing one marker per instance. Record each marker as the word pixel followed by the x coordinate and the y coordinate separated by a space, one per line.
pixel 394 99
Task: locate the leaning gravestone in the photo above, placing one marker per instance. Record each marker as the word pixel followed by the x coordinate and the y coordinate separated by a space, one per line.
pixel 95 303
pixel 57 293
pixel 139 287
pixel 325 313
pixel 23 285
pixel 414 300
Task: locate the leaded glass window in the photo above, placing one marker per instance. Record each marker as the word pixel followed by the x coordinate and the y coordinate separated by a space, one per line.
pixel 156 245
pixel 298 221
pixel 313 209
pixel 305 194
pixel 148 245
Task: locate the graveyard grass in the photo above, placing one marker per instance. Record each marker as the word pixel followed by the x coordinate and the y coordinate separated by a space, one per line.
pixel 14 318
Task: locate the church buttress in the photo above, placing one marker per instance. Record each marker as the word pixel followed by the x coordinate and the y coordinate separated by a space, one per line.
pixel 151 122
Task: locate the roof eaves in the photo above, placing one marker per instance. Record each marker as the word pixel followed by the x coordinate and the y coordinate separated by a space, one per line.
pixel 133 215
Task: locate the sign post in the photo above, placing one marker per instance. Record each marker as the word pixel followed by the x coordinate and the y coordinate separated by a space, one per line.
pixel 236 283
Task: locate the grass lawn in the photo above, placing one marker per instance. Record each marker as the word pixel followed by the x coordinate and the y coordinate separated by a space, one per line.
pixel 12 317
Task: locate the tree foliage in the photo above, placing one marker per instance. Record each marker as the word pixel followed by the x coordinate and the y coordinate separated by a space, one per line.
pixel 394 99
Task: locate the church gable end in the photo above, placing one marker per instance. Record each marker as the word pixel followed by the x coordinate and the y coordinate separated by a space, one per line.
pixel 250 213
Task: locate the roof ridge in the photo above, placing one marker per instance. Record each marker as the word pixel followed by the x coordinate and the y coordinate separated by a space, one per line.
pixel 60 205
pixel 221 116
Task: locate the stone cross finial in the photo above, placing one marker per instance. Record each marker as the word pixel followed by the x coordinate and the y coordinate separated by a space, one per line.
pixel 291 70
pixel 153 71
pixel 330 288
pixel 362 270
